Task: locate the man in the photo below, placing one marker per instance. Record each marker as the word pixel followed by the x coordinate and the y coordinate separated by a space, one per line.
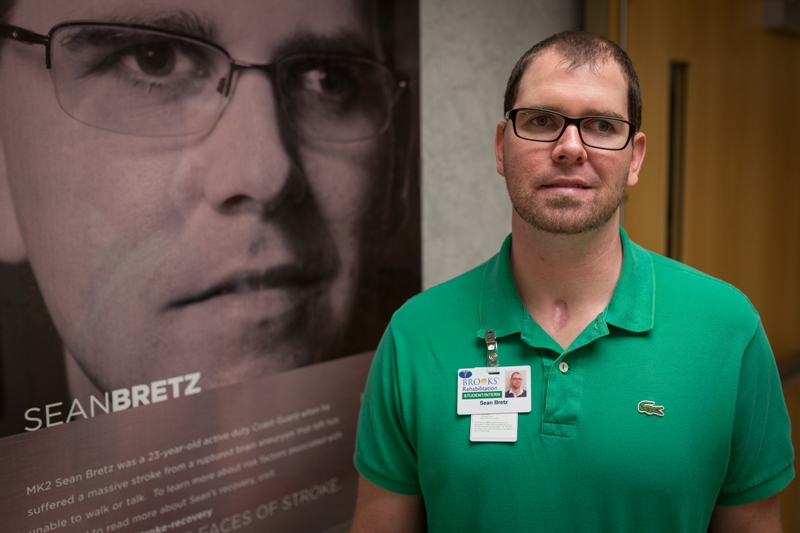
pixel 196 183
pixel 516 390
pixel 658 407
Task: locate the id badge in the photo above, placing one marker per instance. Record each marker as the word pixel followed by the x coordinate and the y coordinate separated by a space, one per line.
pixel 494 390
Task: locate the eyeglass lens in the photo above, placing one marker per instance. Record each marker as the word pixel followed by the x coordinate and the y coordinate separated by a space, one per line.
pixel 335 98
pixel 599 132
pixel 146 82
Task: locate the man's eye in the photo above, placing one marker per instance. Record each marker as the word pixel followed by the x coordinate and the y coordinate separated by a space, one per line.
pixel 162 59
pixel 327 81
pixel 538 121
pixel 156 59
pixel 601 126
pixel 140 58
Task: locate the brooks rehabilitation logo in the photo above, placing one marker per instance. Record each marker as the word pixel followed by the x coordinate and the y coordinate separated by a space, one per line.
pixel 465 374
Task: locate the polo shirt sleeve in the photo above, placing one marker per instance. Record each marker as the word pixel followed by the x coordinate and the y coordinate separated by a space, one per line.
pixel 384 454
pixel 761 454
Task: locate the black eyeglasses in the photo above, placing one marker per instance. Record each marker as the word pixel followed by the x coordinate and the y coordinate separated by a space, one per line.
pixel 543 125
pixel 139 80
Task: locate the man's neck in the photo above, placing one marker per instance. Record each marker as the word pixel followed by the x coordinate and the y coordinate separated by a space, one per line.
pixel 565 281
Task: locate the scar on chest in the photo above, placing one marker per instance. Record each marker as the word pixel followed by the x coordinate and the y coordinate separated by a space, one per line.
pixel 560 315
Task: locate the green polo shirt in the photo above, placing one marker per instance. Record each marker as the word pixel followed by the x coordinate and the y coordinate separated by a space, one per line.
pixel 586 457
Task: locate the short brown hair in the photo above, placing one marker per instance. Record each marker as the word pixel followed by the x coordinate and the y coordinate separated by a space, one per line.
pixel 580 48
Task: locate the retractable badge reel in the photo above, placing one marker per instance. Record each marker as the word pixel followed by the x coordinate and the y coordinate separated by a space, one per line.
pixel 492 359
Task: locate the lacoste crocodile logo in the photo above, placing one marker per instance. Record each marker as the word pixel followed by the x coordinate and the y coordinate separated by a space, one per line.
pixel 650 408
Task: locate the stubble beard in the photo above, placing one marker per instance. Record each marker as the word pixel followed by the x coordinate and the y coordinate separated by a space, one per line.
pixel 566 215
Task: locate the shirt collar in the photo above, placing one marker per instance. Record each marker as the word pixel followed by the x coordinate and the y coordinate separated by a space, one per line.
pixel 500 307
pixel 632 306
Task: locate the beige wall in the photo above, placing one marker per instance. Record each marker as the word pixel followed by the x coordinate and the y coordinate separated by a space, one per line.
pixel 468 48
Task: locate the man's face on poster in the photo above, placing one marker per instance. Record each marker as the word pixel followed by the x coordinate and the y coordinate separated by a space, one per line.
pixel 235 251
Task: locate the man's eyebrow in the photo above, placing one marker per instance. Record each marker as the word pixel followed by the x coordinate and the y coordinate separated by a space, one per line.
pixel 603 113
pixel 177 21
pixel 345 43
pixel 591 112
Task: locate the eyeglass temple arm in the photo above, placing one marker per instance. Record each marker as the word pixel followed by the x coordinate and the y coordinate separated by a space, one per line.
pixel 22 35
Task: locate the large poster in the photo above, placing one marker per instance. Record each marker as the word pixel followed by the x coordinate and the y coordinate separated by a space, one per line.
pixel 208 212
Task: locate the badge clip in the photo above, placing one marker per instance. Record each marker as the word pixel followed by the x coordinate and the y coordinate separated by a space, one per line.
pixel 492 360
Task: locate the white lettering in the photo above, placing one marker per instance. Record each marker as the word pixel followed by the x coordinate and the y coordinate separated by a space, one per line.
pixel 37 420
pixel 176 392
pixel 140 394
pixel 72 411
pixel 120 399
pixel 158 391
pixel 93 401
pixel 192 387
pixel 49 415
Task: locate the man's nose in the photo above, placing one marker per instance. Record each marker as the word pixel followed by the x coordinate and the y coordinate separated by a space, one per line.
pixel 251 164
pixel 569 148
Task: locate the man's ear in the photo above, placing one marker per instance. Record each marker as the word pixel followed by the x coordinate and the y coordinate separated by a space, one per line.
pixel 12 247
pixel 498 146
pixel 639 148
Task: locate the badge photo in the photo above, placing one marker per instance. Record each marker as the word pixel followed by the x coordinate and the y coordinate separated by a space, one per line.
pixel 493 390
